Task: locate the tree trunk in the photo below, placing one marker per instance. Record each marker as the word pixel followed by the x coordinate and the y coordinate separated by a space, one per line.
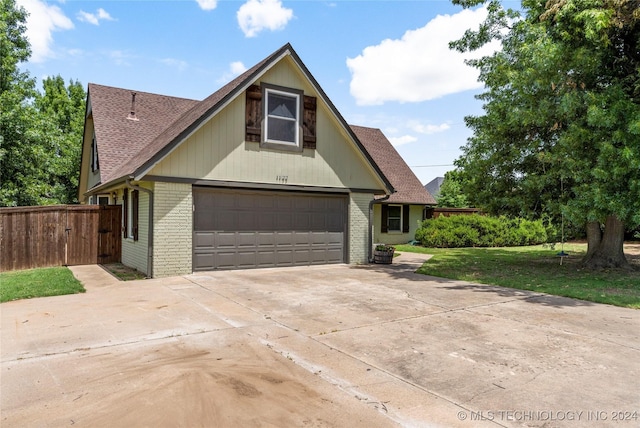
pixel 609 253
pixel 594 237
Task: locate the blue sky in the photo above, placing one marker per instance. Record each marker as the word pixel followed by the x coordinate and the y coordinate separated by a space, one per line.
pixel 384 64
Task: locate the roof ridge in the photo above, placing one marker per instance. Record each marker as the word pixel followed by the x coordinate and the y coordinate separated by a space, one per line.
pixel 141 92
pixel 200 110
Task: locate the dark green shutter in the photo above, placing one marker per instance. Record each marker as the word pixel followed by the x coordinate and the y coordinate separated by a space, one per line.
pixel 384 227
pixel 405 219
pixel 134 207
pixel 125 212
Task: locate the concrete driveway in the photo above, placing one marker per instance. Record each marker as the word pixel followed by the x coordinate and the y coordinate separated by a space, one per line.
pixel 322 346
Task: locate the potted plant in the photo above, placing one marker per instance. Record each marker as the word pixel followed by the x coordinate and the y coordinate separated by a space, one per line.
pixel 383 254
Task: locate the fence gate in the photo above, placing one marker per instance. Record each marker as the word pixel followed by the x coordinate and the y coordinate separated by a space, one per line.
pixel 59 235
pixel 109 236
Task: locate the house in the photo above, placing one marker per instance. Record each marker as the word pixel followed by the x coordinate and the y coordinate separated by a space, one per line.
pixel 396 216
pixel 264 172
pixel 434 185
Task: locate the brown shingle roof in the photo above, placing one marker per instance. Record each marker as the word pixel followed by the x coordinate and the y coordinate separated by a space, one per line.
pixel 409 190
pixel 119 138
pixel 130 148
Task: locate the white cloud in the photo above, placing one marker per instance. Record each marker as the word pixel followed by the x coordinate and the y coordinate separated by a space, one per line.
pixel 405 139
pixel 429 129
pixel 419 66
pixel 42 21
pixel 177 63
pixel 257 15
pixel 120 57
pixel 207 4
pixel 236 68
pixel 94 18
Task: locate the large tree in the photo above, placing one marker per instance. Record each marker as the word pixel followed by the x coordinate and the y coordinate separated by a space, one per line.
pixel 560 133
pixel 64 107
pixel 451 194
pixel 39 133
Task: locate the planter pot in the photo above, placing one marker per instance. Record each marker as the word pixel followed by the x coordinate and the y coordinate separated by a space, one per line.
pixel 383 257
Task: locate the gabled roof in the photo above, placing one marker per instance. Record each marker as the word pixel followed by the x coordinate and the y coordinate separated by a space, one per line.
pixel 139 148
pixel 119 138
pixel 433 186
pixel 409 190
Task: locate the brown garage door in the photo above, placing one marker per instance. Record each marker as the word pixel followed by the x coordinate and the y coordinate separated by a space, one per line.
pixel 238 229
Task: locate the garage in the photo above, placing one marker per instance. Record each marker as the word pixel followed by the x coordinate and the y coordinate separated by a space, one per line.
pixel 241 229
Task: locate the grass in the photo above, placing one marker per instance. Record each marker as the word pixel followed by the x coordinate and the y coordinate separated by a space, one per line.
pixel 27 284
pixel 535 268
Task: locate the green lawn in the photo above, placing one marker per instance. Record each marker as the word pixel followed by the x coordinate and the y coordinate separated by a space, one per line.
pixel 534 268
pixel 26 284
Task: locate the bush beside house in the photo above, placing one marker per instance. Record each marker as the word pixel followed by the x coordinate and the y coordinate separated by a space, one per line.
pixel 480 231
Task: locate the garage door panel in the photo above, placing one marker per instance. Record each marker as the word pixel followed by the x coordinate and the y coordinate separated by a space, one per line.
pixel 265 258
pixel 247 220
pixel 334 255
pixel 283 203
pixel 246 259
pixel 267 221
pixel 225 260
pixel 318 222
pixel 301 256
pixel 335 239
pixel 204 240
pixel 236 229
pixel 284 258
pixel 302 221
pixel 224 239
pixel 266 239
pixel 284 221
pixel 204 261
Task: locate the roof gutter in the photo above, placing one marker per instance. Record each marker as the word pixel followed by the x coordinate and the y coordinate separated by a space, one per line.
pixel 370 234
pixel 150 231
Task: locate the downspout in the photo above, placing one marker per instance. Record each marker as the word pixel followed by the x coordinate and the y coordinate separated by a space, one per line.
pixel 150 232
pixel 374 201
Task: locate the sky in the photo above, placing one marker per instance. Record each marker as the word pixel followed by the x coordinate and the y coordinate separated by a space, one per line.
pixel 383 63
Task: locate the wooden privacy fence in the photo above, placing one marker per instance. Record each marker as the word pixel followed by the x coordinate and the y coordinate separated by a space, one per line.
pixel 59 235
pixel 448 212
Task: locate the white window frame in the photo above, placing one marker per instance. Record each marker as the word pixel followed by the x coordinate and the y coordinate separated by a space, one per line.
pixel 399 218
pixel 295 145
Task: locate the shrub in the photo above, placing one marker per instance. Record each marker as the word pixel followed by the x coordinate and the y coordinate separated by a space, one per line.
pixel 480 231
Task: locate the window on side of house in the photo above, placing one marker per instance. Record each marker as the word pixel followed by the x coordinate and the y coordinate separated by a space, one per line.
pixel 394 218
pixel 283 112
pixel 130 214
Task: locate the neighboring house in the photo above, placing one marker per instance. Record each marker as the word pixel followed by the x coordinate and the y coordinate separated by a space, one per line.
pixel 434 185
pixel 397 217
pixel 264 172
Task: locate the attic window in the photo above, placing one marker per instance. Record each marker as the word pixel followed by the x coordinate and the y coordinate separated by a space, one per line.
pixel 282 113
pixel 280 118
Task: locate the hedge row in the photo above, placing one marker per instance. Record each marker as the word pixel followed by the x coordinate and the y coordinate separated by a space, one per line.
pixel 480 231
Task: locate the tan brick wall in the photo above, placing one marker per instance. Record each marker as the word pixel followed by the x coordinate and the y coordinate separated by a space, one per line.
pixel 173 229
pixel 358 225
